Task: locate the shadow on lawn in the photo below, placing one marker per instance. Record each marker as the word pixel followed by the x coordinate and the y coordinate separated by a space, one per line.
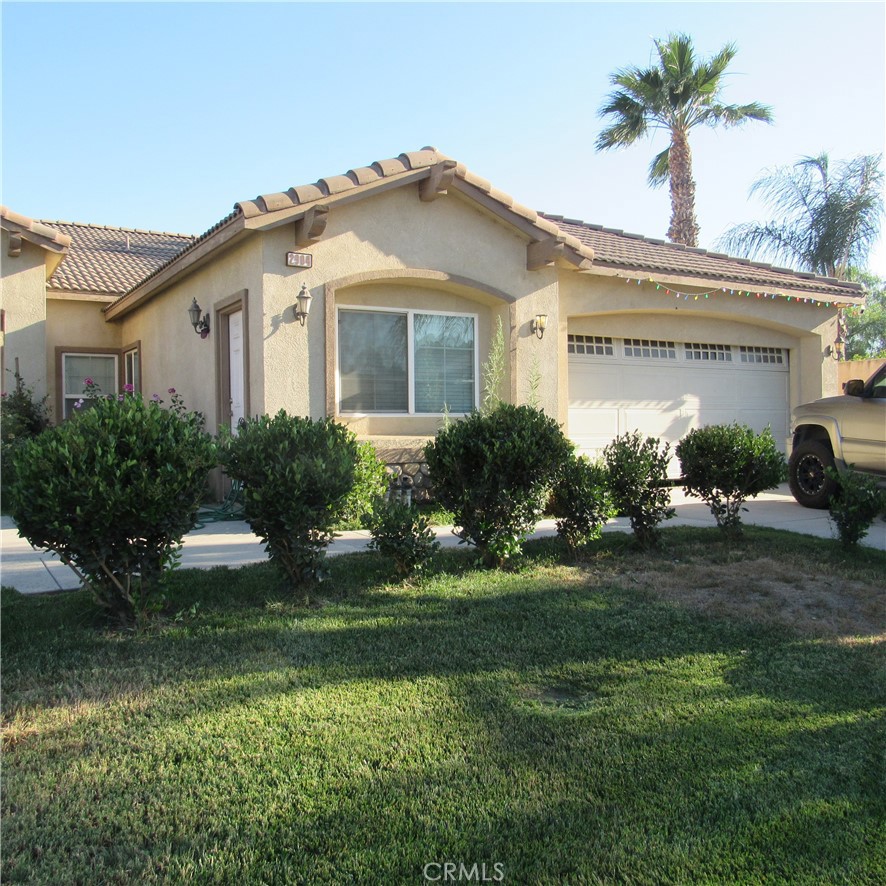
pixel 518 622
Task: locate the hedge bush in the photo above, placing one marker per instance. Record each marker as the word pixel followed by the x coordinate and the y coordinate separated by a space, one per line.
pixel 493 472
pixel 403 534
pixel 724 465
pixel 22 416
pixel 637 478
pixel 855 505
pixel 581 502
pixel 370 486
pixel 297 475
pixel 112 491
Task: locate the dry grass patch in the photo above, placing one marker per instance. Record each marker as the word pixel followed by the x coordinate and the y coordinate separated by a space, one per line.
pixel 787 593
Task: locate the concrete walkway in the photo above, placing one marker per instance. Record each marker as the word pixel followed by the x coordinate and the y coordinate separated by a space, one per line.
pixel 233 544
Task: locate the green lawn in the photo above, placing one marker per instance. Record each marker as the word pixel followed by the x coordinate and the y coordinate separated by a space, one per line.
pixel 572 722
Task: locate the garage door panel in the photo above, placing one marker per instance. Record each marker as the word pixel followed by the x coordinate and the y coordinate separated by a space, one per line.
pixel 609 396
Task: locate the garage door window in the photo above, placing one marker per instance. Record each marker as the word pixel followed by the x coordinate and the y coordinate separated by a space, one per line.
pixel 599 345
pixel 650 348
pixel 715 353
pixel 758 354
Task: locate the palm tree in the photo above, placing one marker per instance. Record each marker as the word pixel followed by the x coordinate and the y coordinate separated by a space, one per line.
pixel 827 220
pixel 676 96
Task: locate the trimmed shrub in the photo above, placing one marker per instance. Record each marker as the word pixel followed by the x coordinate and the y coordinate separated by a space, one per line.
pixel 297 476
pixel 581 502
pixel 370 486
pixel 855 505
pixel 112 491
pixel 493 472
pixel 21 417
pixel 403 534
pixel 637 479
pixel 724 465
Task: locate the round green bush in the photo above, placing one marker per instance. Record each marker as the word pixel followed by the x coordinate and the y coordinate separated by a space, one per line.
pixel 493 472
pixel 298 476
pixel 724 465
pixel 581 502
pixel 112 491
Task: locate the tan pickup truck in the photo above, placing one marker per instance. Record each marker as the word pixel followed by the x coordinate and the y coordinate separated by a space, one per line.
pixel 838 431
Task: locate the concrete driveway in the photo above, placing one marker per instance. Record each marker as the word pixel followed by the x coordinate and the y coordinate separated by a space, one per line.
pixel 233 544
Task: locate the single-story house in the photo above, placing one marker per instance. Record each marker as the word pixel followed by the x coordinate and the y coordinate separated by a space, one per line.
pixel 407 267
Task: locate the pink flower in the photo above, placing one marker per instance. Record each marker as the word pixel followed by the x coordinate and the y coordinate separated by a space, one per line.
pixel 88 381
pixel 171 391
pixel 128 388
pixel 155 398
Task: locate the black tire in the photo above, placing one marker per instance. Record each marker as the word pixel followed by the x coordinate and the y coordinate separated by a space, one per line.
pixel 809 483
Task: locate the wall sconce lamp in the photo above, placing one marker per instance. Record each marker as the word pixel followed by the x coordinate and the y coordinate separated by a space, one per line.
pixel 303 304
pixel 201 325
pixel 539 324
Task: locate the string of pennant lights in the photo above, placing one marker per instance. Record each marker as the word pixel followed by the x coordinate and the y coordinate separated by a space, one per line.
pixel 723 290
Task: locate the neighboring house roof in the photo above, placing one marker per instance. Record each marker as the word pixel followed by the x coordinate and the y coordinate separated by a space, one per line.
pixel 110 260
pixel 640 255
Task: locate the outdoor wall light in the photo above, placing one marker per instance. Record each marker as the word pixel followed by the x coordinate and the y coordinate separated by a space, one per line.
pixel 303 304
pixel 539 324
pixel 201 325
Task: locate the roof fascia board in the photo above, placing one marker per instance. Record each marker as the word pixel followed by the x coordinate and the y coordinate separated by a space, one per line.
pixel 81 295
pixel 523 225
pixel 708 283
pixel 225 237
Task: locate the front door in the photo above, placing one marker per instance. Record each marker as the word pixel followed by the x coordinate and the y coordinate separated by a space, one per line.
pixel 235 368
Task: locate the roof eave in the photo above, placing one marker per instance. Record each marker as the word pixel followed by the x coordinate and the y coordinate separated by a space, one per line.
pixel 638 272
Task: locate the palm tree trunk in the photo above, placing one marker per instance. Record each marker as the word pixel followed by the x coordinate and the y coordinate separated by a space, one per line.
pixel 684 227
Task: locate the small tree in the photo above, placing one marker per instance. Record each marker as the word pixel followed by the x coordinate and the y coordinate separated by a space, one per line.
pixel 857 502
pixel 493 472
pixel 581 502
pixel 297 477
pixel 112 491
pixel 724 465
pixel 638 472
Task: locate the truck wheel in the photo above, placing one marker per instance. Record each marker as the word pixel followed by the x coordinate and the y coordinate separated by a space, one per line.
pixel 809 483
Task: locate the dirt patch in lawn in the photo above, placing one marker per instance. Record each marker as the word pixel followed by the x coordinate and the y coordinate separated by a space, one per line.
pixel 776 592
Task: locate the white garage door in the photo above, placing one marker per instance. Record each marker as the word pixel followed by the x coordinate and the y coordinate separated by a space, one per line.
pixel 665 388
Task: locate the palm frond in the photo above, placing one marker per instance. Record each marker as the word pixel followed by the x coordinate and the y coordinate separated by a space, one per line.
pixel 660 169
pixel 829 219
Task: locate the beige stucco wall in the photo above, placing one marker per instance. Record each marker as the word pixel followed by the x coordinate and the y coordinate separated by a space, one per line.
pixel 174 356
pixel 23 298
pixel 610 306
pixel 394 235
pixel 392 250
pixel 74 323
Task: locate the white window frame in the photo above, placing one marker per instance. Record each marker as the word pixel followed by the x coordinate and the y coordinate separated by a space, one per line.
pixel 128 355
pixel 409 313
pixel 75 397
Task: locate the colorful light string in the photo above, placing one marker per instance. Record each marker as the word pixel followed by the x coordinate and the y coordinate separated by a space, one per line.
pixel 747 293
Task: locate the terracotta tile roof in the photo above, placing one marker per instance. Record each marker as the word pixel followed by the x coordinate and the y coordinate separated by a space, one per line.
pixel 636 254
pixel 119 260
pixel 111 260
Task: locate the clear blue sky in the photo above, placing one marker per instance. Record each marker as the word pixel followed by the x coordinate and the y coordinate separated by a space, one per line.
pixel 163 115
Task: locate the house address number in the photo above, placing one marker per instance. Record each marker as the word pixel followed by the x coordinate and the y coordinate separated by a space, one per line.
pixel 299 259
